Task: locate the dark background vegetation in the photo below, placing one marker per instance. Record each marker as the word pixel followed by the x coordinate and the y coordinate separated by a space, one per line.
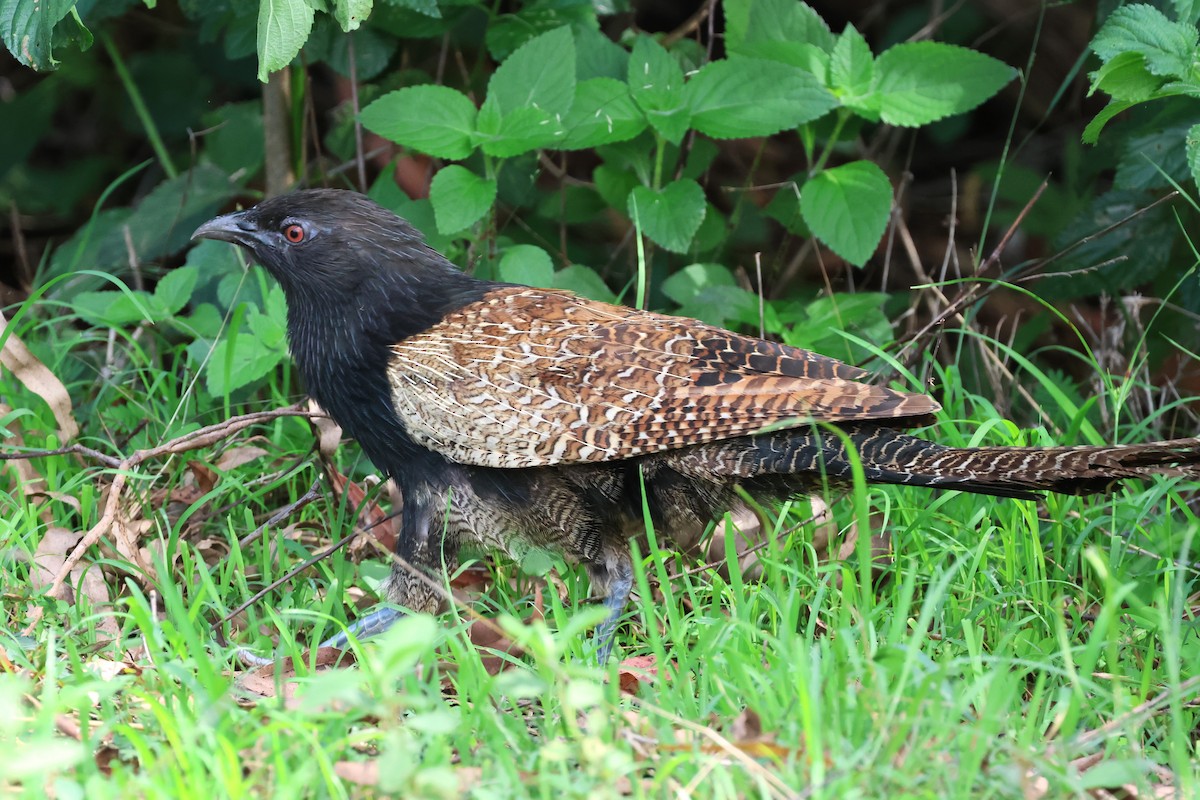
pixel 69 136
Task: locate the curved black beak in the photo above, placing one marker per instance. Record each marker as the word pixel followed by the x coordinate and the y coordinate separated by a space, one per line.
pixel 235 228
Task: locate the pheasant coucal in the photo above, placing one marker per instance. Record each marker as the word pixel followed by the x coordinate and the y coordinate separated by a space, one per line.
pixel 522 418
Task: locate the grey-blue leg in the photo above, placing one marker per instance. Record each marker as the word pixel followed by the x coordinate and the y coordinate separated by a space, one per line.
pixel 615 578
pixel 364 627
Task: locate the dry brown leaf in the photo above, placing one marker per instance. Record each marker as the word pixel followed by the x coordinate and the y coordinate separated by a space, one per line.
pixel 38 379
pixel 205 479
pixel 329 433
pixel 262 680
pixel 366 773
pixel 235 457
pixel 636 671
pixel 52 551
pixel 127 534
pixel 28 481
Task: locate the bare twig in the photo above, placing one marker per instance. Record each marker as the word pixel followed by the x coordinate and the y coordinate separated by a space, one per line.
pixel 194 440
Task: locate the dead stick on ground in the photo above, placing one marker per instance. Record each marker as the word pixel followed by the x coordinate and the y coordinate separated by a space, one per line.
pixel 190 441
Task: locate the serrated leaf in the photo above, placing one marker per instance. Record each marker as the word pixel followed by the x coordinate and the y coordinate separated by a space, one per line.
pixel 522 131
pixel 785 206
pixel 921 82
pixel 527 265
pixel 722 306
pixel 656 84
pixel 539 74
pixel 583 281
pixel 270 332
pixel 1153 160
pixel 1168 47
pixel 1125 78
pixel 614 185
pixel 351 13
pixel 234 141
pixel 603 113
pixel 248 361
pixel 460 198
pixel 847 208
pixel 597 56
pixel 27 29
pixel 1193 152
pixel 1091 132
pixel 671 216
pixel 684 285
pixel 507 32
pixel 852 74
pixel 283 28
pixel 114 309
pixel 174 289
pixel 436 120
pixel 751 97
pixel 779 30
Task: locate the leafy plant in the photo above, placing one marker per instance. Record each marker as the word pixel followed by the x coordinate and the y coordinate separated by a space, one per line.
pixel 785 71
pixel 1146 56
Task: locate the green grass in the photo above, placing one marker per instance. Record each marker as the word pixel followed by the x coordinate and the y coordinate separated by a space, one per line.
pixel 1005 647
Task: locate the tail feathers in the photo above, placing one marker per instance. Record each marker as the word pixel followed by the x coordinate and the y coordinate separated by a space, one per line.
pixel 891 456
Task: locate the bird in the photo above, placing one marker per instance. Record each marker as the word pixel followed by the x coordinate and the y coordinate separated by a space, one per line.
pixel 527 419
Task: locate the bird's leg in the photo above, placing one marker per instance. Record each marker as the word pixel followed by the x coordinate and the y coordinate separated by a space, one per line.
pixel 421 545
pixel 612 581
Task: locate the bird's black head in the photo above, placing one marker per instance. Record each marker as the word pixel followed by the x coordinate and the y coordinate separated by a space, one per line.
pixel 323 242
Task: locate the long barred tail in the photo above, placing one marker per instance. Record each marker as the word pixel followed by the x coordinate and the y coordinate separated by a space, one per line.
pixel 892 456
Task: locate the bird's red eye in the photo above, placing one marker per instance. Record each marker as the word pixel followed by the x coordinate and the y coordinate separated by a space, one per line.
pixel 294 234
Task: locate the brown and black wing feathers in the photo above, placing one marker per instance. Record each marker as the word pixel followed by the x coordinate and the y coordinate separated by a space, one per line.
pixel 531 377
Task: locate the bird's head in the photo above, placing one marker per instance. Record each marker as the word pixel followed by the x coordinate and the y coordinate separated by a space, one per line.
pixel 321 241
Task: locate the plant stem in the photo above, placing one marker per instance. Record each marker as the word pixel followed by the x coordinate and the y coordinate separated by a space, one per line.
pixel 842 117
pixel 139 107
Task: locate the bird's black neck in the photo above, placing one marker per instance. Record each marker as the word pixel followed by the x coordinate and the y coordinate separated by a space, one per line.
pixel 341 345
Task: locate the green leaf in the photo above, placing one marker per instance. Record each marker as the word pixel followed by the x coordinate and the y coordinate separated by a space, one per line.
pixel 603 113
pixel 1126 78
pixel 174 289
pixel 750 97
pixel 684 285
pixel 460 198
pixel 527 265
pixel 785 206
pixel 671 216
pixel 583 281
pixel 540 74
pixel 779 30
pixel 614 185
pixel 507 32
pixel 351 13
pixel 1154 159
pixel 1091 133
pixel 28 27
pixel 847 207
pixel 656 83
pixel 235 138
pixel 922 82
pixel 116 309
pixel 852 74
pixel 722 306
pixel 248 361
pixel 436 120
pixel 1168 47
pixel 1192 145
pixel 270 331
pixel 521 131
pixel 283 28
pixel 597 56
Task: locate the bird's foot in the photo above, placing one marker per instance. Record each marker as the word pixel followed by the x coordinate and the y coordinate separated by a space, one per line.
pixel 365 627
